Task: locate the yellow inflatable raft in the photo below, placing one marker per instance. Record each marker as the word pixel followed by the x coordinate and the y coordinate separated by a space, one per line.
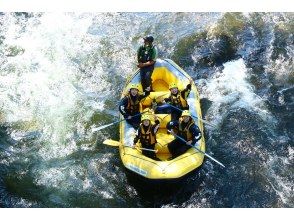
pixel 165 72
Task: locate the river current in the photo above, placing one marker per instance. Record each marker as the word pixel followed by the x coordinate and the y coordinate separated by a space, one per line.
pixel 61 74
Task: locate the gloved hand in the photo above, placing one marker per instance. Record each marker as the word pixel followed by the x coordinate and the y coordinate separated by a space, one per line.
pixel 191 81
pixel 170 132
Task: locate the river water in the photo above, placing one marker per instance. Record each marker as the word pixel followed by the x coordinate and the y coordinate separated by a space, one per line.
pixel 62 74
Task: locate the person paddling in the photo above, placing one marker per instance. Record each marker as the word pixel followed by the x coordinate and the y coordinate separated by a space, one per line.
pixel 146 133
pixel 129 106
pixel 185 128
pixel 146 56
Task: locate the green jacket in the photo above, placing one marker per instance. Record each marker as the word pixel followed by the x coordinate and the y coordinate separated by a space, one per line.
pixel 146 54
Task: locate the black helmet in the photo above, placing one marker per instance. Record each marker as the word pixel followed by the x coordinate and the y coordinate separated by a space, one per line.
pixel 149 39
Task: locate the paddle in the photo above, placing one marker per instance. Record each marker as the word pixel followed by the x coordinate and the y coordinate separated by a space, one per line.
pixel 191 80
pixel 105 126
pixel 154 98
pixel 204 121
pixel 161 95
pixel 196 148
pixel 114 143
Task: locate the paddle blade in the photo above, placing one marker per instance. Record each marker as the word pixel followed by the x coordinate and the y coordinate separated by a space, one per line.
pixel 100 128
pixel 111 142
pixel 113 123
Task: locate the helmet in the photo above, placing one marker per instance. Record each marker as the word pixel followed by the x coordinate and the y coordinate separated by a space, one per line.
pixel 134 86
pixel 172 85
pixel 149 39
pixel 148 111
pixel 186 113
pixel 145 117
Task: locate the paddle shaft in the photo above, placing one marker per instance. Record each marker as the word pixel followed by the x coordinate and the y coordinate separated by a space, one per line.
pixel 142 148
pixel 105 126
pixel 158 96
pixel 177 136
pixel 111 142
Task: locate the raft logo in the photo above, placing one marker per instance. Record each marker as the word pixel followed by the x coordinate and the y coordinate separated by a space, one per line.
pixel 136 169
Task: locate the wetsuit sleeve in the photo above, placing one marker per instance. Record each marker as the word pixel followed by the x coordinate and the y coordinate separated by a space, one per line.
pixel 146 93
pixel 137 137
pixel 167 99
pixel 185 93
pixel 172 124
pixel 195 133
pixel 155 126
pixel 139 54
pixel 122 107
pixel 157 122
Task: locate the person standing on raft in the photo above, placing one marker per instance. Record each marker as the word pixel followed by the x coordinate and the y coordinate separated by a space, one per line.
pixel 146 56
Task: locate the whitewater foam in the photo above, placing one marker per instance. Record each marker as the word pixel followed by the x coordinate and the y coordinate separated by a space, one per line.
pixel 229 90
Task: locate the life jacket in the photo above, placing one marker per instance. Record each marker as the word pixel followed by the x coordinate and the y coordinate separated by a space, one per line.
pixel 133 106
pixel 178 101
pixel 145 54
pixel 184 131
pixel 147 138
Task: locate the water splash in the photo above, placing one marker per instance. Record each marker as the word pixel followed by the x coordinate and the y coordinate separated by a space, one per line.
pixel 60 74
pixel 229 90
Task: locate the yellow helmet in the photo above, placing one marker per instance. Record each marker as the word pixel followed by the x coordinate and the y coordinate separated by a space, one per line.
pixel 134 86
pixel 148 111
pixel 172 85
pixel 186 113
pixel 145 117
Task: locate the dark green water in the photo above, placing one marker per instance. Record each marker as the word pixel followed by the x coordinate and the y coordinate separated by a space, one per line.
pixel 62 74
